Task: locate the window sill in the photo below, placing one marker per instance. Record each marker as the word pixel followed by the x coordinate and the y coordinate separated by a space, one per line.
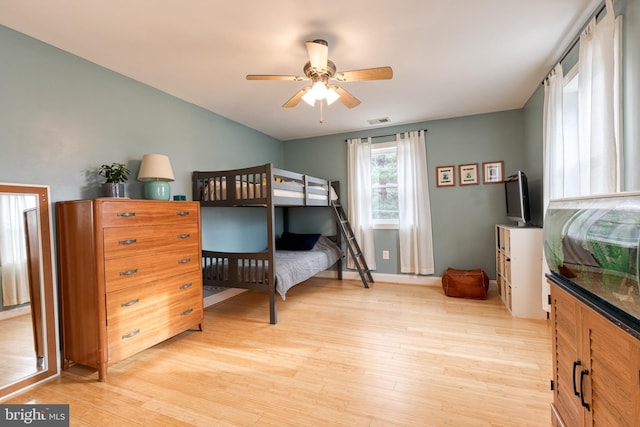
pixel 385 226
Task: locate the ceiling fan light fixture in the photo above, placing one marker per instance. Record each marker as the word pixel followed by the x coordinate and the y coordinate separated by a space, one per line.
pixel 319 90
pixel 320 70
pixel 309 98
pixel 332 96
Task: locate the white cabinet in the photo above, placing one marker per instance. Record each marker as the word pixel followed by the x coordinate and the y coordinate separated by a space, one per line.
pixel 519 269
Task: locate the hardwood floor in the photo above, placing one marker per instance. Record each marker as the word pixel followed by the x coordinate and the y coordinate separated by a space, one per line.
pixel 18 357
pixel 340 355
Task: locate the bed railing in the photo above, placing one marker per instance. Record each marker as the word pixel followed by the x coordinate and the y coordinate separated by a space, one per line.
pixel 246 270
pixel 258 185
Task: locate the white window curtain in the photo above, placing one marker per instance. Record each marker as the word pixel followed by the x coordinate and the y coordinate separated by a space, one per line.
pixel 553 142
pixel 592 163
pixel 359 199
pixel 416 243
pixel 598 105
pixel 13 250
pixel 554 151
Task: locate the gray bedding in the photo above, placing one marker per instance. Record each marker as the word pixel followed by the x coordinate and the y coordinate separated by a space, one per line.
pixel 293 267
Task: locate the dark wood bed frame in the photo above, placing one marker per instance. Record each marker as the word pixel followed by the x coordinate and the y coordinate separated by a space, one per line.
pixel 257 186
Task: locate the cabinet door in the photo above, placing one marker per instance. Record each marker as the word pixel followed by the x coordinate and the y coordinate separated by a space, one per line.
pixel 567 364
pixel 612 383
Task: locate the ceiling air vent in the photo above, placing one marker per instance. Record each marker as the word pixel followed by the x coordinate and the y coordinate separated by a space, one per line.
pixel 379 121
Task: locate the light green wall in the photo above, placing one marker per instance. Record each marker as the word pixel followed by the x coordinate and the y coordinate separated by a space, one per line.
pixel 462 217
pixel 533 153
pixel 61 117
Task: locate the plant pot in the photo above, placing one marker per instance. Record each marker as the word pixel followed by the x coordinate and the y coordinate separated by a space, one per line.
pixel 112 190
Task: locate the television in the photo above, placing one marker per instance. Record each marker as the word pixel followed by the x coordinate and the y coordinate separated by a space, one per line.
pixel 516 193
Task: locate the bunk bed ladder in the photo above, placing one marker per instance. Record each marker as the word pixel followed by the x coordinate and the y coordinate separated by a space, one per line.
pixel 352 244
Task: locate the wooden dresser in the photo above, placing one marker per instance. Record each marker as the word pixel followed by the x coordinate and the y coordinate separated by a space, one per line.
pixel 129 276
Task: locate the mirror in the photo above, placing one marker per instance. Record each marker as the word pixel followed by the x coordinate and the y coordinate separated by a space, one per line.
pixel 27 311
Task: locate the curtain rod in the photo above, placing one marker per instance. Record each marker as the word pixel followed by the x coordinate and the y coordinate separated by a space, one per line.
pixel 387 136
pixel 576 39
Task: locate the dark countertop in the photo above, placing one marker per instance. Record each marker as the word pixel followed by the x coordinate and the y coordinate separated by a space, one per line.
pixel 620 318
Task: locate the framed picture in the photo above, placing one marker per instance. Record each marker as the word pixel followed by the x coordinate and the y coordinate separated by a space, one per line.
pixel 445 176
pixel 492 172
pixel 468 174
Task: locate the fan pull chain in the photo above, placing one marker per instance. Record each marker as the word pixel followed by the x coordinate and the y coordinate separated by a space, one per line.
pixel 321 115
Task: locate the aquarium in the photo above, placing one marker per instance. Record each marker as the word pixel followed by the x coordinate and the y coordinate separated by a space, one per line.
pixel 592 244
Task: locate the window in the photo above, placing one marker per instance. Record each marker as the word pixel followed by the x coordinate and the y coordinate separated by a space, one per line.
pixel 376 183
pixel 571 185
pixel 384 185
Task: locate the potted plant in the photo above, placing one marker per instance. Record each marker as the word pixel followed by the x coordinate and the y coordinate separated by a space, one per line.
pixel 116 175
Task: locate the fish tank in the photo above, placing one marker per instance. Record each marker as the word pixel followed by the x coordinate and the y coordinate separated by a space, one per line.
pixel 591 247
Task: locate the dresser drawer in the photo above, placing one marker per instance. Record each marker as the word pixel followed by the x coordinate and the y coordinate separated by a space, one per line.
pixel 132 241
pixel 138 302
pixel 124 272
pixel 129 337
pixel 135 213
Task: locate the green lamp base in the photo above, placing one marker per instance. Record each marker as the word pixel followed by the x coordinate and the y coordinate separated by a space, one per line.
pixel 157 190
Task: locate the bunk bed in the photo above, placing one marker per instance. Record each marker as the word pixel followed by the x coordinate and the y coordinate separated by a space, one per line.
pixel 268 187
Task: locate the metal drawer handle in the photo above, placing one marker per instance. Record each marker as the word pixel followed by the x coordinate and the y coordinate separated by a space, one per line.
pixel 126 214
pixel 131 334
pixel 127 242
pixel 182 213
pixel 130 303
pixel 184 261
pixel 184 236
pixel 186 286
pixel 186 312
pixel 129 272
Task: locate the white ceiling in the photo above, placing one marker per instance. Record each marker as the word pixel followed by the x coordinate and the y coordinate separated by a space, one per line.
pixel 450 57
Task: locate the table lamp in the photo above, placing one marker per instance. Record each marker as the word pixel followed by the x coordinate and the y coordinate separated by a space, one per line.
pixel 156 172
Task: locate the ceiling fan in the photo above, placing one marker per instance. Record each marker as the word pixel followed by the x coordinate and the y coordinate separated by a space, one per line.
pixel 320 70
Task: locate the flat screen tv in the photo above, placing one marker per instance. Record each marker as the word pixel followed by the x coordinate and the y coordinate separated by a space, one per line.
pixel 517 198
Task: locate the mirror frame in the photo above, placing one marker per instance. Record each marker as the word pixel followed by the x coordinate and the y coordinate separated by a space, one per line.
pixel 48 297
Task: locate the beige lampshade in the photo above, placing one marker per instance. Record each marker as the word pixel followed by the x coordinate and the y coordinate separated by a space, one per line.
pixel 155 167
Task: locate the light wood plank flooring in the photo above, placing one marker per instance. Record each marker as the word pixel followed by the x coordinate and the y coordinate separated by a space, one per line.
pixel 341 355
pixel 18 351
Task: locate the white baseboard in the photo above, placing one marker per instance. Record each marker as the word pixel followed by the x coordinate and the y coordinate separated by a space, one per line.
pixel 7 314
pixel 408 279
pixel 222 296
pixel 405 279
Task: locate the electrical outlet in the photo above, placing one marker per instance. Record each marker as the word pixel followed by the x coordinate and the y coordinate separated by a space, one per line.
pixel 385 254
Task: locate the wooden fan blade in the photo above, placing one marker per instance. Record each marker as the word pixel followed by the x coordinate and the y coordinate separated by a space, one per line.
pixel 379 73
pixel 346 98
pixel 295 99
pixel 274 77
pixel 318 52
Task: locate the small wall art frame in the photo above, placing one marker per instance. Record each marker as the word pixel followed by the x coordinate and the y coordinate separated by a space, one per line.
pixel 493 172
pixel 445 176
pixel 468 174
